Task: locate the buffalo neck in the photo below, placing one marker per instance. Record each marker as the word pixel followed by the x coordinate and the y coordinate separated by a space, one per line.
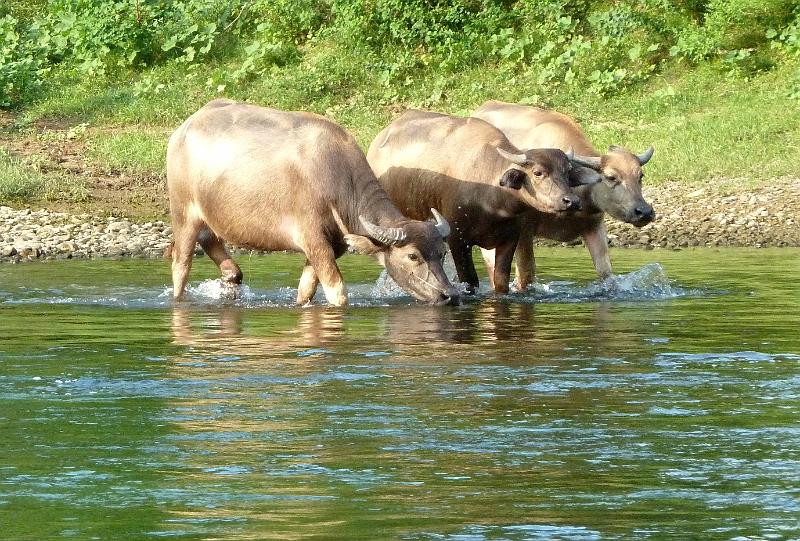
pixel 371 202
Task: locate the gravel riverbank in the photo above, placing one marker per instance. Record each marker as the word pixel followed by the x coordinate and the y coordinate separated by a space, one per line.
pixel 765 217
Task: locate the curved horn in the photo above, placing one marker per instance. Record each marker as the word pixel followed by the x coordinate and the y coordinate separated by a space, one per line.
pixel 592 162
pixel 519 159
pixel 441 224
pixel 645 156
pixel 384 235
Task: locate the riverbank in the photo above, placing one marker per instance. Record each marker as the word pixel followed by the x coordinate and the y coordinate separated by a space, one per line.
pixel 766 216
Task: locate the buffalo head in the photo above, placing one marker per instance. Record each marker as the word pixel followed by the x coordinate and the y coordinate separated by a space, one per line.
pixel 543 178
pixel 412 253
pixel 620 191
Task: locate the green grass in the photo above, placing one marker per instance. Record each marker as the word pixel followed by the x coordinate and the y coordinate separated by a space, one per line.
pixel 140 152
pixel 20 182
pixel 707 127
pixel 708 124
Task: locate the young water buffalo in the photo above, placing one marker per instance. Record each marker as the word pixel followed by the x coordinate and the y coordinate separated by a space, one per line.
pixel 618 194
pixel 275 180
pixel 470 171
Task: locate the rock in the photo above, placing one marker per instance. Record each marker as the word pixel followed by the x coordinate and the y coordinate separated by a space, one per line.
pixel 699 217
pixel 118 226
pixel 66 247
pixel 28 251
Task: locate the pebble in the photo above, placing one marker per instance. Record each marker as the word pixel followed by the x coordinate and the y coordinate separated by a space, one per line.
pixel 702 217
pixel 685 217
pixel 28 234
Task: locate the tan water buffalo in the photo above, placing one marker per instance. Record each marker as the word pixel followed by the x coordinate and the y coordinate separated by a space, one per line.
pixel 481 183
pixel 619 194
pixel 276 180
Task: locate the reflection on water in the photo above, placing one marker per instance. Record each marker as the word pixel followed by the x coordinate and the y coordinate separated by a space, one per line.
pixel 661 404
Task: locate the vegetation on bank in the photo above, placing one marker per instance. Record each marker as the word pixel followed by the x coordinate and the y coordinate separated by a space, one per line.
pixel 714 85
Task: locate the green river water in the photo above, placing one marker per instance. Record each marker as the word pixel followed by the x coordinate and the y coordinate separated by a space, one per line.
pixel 661 404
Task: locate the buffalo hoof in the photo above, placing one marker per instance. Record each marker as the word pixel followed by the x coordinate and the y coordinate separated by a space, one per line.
pixel 229 291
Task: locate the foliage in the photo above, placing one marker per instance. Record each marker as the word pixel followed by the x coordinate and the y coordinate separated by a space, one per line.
pixel 788 41
pixel 402 45
pixel 22 60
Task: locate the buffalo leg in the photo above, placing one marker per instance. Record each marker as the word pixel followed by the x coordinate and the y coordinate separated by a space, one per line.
pixel 185 233
pixel 465 267
pixel 488 261
pixel 503 255
pixel 597 242
pixel 308 284
pixel 214 248
pixel 323 260
pixel 525 264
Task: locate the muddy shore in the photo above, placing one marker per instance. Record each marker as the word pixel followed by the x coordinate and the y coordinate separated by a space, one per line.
pixel 763 217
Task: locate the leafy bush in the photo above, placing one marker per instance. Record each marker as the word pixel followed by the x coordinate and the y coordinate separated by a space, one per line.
pixel 97 36
pixel 729 26
pixel 592 45
pixel 22 60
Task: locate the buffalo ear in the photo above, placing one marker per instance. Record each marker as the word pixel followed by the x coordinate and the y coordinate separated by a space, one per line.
pixel 513 178
pixel 579 176
pixel 361 245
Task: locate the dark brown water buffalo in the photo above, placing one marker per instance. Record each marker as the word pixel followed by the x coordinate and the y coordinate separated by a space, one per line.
pixel 619 194
pixel 470 171
pixel 275 180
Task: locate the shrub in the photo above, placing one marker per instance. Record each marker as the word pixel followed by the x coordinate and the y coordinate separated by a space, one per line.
pixel 594 45
pixel 22 60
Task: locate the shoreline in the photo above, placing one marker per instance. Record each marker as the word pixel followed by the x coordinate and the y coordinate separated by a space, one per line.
pixel 764 217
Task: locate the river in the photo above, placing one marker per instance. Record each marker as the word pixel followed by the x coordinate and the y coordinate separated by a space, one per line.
pixel 661 404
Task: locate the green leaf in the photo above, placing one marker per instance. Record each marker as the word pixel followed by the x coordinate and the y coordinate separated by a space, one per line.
pixel 170 43
pixel 253 48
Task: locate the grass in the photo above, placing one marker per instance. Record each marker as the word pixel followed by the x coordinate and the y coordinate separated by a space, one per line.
pixel 141 152
pixel 20 182
pixel 708 125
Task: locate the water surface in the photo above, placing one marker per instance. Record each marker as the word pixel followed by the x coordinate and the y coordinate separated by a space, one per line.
pixel 662 404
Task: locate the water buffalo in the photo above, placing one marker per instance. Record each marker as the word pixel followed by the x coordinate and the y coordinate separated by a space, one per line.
pixel 618 194
pixel 470 171
pixel 275 180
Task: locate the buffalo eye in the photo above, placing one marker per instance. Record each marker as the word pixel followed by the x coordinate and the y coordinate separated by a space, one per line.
pixel 612 179
pixel 537 173
pixel 413 257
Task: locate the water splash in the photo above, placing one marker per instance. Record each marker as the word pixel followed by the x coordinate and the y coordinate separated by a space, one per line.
pixel 386 287
pixel 217 290
pixel 650 282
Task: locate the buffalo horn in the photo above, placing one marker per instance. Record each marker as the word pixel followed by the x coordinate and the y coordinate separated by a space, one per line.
pixel 592 162
pixel 519 159
pixel 645 156
pixel 441 223
pixel 385 235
